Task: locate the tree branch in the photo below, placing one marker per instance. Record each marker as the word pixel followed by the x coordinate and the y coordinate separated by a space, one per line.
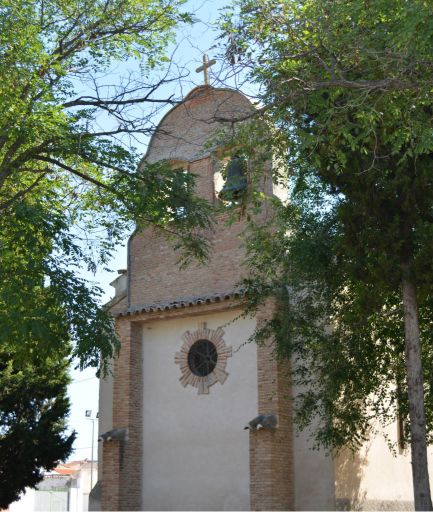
pixel 95 102
pixel 21 193
pixel 80 174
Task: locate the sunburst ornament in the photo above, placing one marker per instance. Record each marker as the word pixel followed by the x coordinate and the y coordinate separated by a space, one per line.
pixel 203 358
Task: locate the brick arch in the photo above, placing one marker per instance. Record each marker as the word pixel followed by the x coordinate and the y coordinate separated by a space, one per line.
pixel 184 131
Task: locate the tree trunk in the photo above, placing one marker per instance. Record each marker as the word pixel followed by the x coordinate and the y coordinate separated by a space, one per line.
pixel 414 378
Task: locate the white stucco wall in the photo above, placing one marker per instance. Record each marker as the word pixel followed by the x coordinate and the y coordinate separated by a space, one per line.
pixel 313 471
pixel 375 477
pixel 195 451
pixel 105 422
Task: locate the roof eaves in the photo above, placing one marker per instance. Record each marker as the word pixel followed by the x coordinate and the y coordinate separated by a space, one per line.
pixel 183 302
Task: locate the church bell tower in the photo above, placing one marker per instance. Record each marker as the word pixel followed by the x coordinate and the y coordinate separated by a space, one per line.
pixel 187 381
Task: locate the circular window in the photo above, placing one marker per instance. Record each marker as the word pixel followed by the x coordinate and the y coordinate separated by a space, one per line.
pixel 202 358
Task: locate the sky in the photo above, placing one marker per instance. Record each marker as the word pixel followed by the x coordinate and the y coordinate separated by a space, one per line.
pixel 192 42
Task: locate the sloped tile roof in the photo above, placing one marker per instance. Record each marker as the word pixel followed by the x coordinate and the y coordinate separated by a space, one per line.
pixel 183 302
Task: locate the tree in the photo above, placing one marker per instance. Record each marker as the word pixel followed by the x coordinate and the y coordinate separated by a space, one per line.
pixel 69 188
pixel 71 182
pixel 349 83
pixel 33 411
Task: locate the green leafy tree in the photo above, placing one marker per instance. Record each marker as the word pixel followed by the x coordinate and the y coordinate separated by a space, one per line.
pixel 349 84
pixel 71 182
pixel 33 411
pixel 72 185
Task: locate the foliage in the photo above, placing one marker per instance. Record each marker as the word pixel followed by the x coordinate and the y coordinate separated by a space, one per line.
pixel 44 304
pixel 33 410
pixel 349 83
pixel 69 189
pixel 351 377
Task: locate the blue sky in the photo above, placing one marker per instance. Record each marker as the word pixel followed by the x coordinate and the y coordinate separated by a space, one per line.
pixel 192 42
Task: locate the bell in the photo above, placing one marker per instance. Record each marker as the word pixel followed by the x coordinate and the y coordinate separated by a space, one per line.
pixel 236 181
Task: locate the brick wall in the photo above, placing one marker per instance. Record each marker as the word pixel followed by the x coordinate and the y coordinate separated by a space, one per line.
pixel 123 459
pixel 153 268
pixel 184 133
pixel 271 452
pixel 110 476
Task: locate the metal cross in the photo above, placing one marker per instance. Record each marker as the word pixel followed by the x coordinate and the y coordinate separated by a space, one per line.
pixel 206 65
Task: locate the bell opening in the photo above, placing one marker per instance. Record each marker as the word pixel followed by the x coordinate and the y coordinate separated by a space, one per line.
pixel 236 181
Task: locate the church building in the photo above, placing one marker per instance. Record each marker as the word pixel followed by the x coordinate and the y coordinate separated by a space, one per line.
pixel 187 382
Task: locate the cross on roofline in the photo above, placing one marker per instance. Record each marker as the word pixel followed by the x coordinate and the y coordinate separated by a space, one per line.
pixel 206 65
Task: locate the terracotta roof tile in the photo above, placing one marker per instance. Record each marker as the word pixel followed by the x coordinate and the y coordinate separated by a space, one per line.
pixel 183 302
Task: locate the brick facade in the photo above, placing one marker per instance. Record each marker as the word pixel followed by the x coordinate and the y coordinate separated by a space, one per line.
pixel 154 276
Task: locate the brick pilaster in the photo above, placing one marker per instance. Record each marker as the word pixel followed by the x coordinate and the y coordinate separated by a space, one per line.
pixel 271 452
pixel 110 499
pixel 125 462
